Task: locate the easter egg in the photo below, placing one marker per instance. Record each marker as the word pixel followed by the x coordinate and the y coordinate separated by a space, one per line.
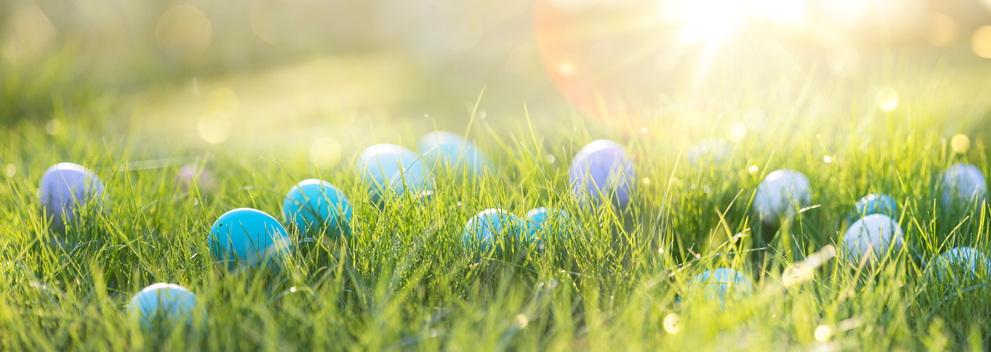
pixel 65 188
pixel 780 195
pixel 248 237
pixel 163 305
pixel 601 172
pixel 312 206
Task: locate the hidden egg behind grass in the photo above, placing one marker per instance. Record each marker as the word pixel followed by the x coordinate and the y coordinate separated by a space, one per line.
pixel 488 230
pixel 780 195
pixel 601 172
pixel 449 152
pixel 248 237
pixel 961 263
pixel 390 171
pixel 312 206
pixel 721 284
pixel 191 175
pixel 876 203
pixel 65 188
pixel 544 223
pixel 964 187
pixel 163 306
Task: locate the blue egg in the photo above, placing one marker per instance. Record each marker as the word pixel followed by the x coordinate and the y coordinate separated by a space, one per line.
pixel 877 203
pixel 248 236
pixel 389 171
pixel 484 232
pixel 541 222
pixel 601 172
pixel 963 187
pixel 720 284
pixel 164 306
pixel 962 262
pixel 312 206
pixel 450 152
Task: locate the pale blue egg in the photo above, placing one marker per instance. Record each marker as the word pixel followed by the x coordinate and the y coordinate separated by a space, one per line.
pixel 248 236
pixel 781 195
pixel 165 306
pixel 312 206
pixel 963 187
pixel 389 171
pixel 450 152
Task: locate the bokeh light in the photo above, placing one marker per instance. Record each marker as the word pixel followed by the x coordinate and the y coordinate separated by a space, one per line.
pixel 886 99
pixel 29 35
pixel 942 30
pixel 671 323
pixel 960 144
pixel 184 32
pixel 823 333
pixel 981 42
pixel 325 152
pixel 214 128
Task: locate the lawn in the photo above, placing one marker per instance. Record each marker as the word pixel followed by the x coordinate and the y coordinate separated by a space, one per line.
pixel 404 280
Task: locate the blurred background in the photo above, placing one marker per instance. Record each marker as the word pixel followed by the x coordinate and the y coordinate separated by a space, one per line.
pixel 203 72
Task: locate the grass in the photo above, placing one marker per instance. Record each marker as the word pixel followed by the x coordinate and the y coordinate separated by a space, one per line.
pixel 403 280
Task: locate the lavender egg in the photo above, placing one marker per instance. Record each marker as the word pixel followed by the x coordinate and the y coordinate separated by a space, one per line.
pixel 601 171
pixel 65 187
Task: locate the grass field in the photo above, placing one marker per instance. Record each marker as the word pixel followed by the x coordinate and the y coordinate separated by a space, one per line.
pixel 403 280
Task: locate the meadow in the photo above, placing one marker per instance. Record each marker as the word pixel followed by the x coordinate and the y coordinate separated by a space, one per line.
pixel 403 280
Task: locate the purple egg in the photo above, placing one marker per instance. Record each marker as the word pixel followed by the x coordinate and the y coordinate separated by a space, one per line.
pixel 194 174
pixel 64 188
pixel 601 170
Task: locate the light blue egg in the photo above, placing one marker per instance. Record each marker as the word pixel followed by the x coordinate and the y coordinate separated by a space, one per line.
pixel 876 203
pixel 601 172
pixel 380 167
pixel 961 262
pixel 543 222
pixel 313 206
pixel 963 187
pixel 720 284
pixel 164 306
pixel 449 152
pixel 484 232
pixel 248 236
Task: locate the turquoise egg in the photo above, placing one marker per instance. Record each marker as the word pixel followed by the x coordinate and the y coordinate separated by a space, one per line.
pixel 163 306
pixel 962 263
pixel 543 222
pixel 487 231
pixel 248 237
pixel 312 206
